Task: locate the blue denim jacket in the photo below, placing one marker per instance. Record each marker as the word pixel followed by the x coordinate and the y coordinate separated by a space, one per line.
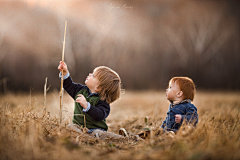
pixel 186 109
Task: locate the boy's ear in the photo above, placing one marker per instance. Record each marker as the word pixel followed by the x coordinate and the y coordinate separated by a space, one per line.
pixel 98 88
pixel 179 94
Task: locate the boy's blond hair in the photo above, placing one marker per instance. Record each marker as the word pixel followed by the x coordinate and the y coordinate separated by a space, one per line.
pixel 186 85
pixel 109 84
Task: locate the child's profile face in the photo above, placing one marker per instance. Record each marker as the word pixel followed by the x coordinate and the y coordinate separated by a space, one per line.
pixel 172 90
pixel 92 82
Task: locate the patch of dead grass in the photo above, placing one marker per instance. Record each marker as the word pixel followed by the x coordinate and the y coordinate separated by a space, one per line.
pixel 30 132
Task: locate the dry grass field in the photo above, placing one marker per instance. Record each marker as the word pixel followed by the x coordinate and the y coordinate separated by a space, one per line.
pixel 28 131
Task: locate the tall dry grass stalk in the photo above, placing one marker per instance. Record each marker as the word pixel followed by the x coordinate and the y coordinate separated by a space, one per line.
pixel 61 89
pixel 28 133
pixel 45 93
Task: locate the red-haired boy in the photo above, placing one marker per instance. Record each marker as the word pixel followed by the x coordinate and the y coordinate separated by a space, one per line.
pixel 180 93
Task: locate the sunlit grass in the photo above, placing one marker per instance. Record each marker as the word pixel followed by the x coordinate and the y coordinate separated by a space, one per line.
pixel 30 132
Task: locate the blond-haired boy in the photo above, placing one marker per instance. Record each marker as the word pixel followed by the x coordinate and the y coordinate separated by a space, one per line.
pixel 92 100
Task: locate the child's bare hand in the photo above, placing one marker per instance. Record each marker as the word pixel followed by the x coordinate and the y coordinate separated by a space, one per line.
pixel 178 118
pixel 63 67
pixel 82 100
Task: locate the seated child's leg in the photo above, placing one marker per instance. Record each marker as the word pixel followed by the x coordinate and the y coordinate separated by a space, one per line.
pixel 104 134
pixel 75 128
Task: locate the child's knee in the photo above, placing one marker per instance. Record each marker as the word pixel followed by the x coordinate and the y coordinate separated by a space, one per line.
pixel 99 132
pixel 104 134
pixel 74 127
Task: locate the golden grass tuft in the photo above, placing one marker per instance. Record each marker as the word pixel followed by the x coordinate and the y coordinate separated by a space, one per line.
pixel 28 132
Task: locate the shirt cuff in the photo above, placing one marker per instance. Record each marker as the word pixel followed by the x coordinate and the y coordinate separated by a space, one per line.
pixel 182 119
pixel 88 107
pixel 65 77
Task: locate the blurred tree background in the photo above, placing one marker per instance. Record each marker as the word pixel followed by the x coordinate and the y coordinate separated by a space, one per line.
pixel 146 42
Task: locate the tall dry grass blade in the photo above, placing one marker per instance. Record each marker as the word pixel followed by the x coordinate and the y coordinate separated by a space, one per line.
pixel 61 104
pixel 83 119
pixel 61 89
pixel 31 89
pixel 236 121
pixel 45 93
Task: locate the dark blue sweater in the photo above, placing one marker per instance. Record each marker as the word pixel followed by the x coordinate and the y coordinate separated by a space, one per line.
pixel 98 112
pixel 186 109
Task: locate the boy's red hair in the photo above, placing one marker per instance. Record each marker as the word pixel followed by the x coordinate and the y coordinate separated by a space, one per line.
pixel 186 85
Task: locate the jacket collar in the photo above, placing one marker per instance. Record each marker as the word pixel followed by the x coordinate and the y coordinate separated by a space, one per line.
pixel 92 94
pixel 184 101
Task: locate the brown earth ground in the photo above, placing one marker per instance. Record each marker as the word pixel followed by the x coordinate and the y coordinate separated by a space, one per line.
pixel 30 132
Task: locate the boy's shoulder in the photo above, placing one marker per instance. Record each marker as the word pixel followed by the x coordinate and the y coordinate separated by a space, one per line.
pixel 183 108
pixel 82 89
pixel 186 104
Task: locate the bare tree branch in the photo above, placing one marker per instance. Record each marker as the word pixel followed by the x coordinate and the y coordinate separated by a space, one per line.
pixel 216 46
pixel 177 44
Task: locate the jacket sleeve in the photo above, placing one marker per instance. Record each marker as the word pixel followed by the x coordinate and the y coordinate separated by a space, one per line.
pixel 191 115
pixel 100 111
pixel 72 88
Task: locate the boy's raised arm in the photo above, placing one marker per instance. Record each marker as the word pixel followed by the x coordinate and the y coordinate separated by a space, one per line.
pixel 72 88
